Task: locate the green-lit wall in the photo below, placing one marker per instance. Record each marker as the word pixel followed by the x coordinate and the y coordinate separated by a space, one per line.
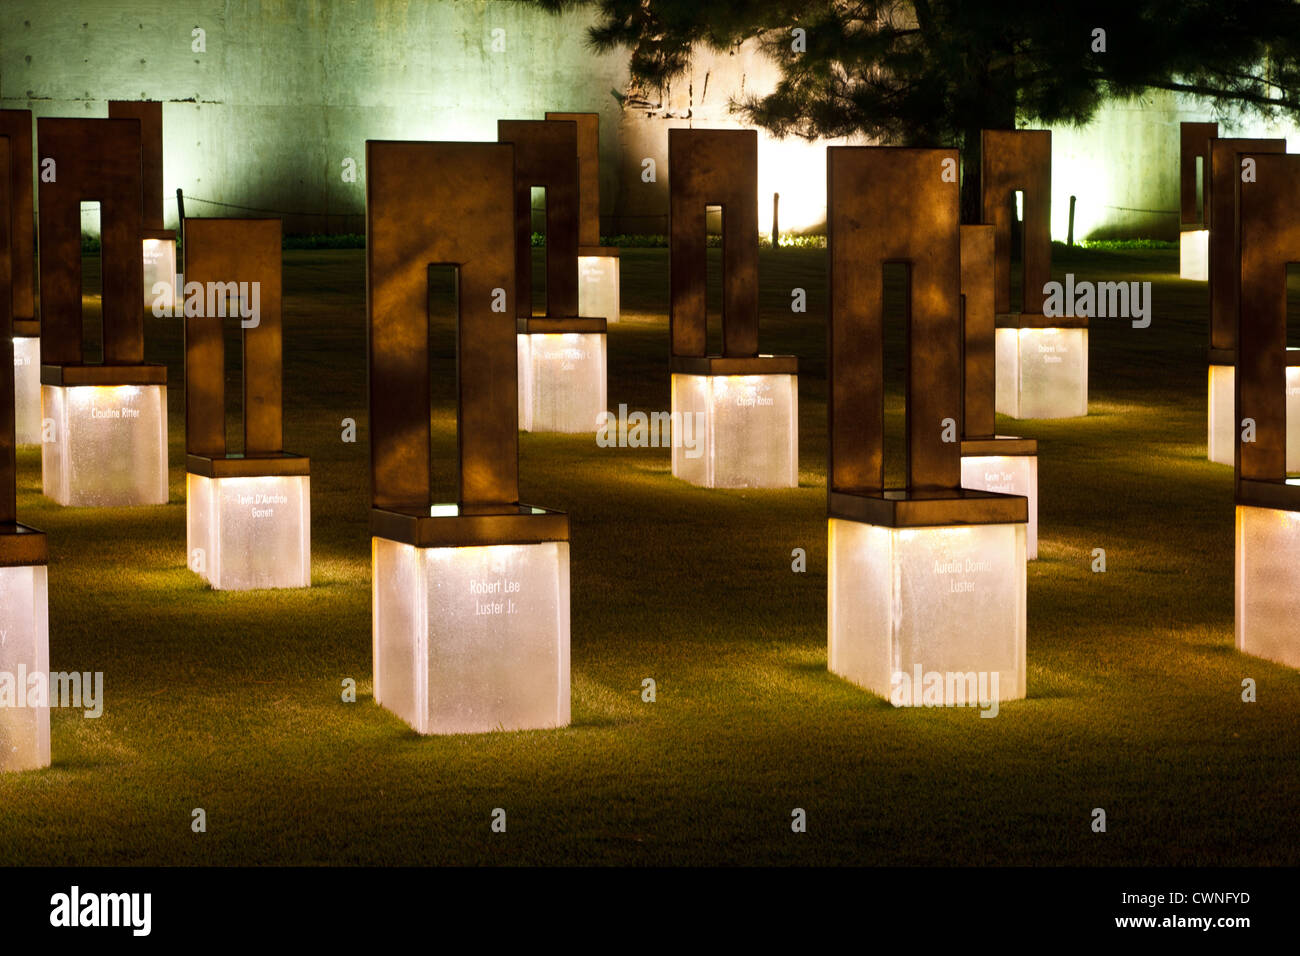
pixel 1123 166
pixel 287 90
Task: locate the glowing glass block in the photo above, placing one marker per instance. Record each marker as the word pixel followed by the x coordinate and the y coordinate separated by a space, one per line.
pixel 468 640
pixel 24 652
pixel 1042 373
pixel 1222 433
pixel 598 287
pixel 159 267
pixel 1194 255
pixel 1221 445
pixel 561 381
pixel 1268 584
pixel 27 389
pixel 742 430
pixel 105 445
pixel 249 532
pixel 1010 475
pixel 947 600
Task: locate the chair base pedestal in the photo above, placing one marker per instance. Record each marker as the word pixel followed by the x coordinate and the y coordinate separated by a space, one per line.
pixel 25 650
pixel 598 278
pixel 738 430
pixel 1268 584
pixel 160 272
pixel 475 638
pixel 105 440
pixel 1042 372
pixel 1222 426
pixel 562 381
pixel 1007 465
pixel 27 389
pixel 928 616
pixel 1194 255
pixel 245 532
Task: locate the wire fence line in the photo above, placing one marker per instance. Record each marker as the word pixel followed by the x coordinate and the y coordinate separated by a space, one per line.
pixel 231 205
pixel 659 218
pixel 1158 212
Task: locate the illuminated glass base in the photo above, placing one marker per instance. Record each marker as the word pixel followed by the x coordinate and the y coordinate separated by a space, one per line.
pixel 27 389
pixel 1042 373
pixel 946 600
pixel 1194 255
pixel 24 652
pixel 249 532
pixel 742 430
pixel 159 274
pixel 598 287
pixel 469 640
pixel 1268 584
pixel 1010 475
pixel 1221 446
pixel 104 445
pixel 561 381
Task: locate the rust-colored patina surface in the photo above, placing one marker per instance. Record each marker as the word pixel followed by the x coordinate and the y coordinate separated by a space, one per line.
pixel 894 205
pixel 227 256
pixel 92 160
pixel 449 204
pixel 149 114
pixel 1193 141
pixel 713 167
pixel 1268 216
pixel 1019 160
pixel 1225 248
pixel 17 126
pixel 19 545
pixel 546 156
pixel 588 143
pixel 978 359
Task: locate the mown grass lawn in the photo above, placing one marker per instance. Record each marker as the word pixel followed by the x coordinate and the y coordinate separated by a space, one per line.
pixel 232 702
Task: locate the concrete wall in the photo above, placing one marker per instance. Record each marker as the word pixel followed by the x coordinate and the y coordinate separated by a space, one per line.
pixel 794 168
pixel 285 91
pixel 1123 166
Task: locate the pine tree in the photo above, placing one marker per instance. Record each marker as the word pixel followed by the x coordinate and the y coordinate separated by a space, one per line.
pixel 936 72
